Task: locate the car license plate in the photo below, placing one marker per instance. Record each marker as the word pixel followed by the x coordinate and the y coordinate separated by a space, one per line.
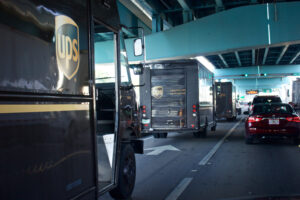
pixel 274 121
pixel 145 121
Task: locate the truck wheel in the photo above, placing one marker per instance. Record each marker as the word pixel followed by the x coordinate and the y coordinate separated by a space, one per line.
pixel 203 133
pixel 163 135
pixel 156 135
pixel 295 140
pixel 126 174
pixel 249 140
pixel 213 128
pixel 196 134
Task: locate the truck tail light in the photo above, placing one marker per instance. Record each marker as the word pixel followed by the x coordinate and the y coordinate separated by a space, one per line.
pixel 144 109
pixel 254 119
pixel 293 119
pixel 194 109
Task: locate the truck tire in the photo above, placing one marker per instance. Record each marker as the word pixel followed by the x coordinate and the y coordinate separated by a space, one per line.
pixel 156 135
pixel 249 140
pixel 163 135
pixel 196 134
pixel 213 128
pixel 126 174
pixel 201 134
pixel 296 141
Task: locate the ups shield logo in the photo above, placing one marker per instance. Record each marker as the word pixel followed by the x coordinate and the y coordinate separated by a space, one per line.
pixel 157 92
pixel 67 45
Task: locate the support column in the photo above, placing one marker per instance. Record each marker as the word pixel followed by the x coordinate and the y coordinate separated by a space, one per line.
pixel 157 23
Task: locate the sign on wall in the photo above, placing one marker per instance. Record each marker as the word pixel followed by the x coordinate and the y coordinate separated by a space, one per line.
pixel 251 91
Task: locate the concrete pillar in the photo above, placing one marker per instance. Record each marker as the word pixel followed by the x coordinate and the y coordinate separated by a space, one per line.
pixel 187 16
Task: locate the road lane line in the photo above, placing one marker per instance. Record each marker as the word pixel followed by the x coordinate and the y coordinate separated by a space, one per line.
pixel 147 138
pixel 179 189
pixel 217 146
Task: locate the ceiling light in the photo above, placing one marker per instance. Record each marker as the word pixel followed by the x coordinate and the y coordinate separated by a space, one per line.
pixel 206 63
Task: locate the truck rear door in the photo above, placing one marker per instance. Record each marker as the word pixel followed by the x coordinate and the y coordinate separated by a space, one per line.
pixel 168 98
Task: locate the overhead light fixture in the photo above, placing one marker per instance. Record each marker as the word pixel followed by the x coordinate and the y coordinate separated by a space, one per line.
pixel 206 63
pixel 138 4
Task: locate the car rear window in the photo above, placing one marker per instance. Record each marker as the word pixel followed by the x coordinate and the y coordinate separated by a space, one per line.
pixel 264 109
pixel 266 100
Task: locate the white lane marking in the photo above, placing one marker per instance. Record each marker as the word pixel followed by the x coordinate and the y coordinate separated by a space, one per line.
pixel 269 34
pixel 158 150
pixel 217 146
pixel 147 138
pixel 179 189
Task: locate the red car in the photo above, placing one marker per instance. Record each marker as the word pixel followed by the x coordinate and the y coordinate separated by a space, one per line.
pixel 274 120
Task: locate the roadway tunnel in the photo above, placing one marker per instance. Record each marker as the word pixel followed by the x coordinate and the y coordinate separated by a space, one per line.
pixel 252 49
pixel 150 99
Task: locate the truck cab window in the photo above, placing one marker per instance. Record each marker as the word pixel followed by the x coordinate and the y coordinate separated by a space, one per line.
pixel 125 73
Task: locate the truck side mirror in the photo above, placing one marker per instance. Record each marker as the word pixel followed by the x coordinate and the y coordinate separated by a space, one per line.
pixel 138 47
pixel 138 69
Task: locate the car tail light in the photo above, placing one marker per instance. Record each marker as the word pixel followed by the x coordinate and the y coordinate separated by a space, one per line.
pixel 293 119
pixel 254 119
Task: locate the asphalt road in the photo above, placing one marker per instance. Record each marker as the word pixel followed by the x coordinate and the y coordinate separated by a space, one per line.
pixel 216 167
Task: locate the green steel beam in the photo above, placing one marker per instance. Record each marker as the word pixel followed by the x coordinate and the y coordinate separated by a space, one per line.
pixel 231 30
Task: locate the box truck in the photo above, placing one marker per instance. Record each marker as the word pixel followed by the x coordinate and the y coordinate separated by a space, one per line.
pixel 225 100
pixel 177 96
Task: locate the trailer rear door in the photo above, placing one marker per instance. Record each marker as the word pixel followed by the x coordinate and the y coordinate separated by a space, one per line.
pixel 168 97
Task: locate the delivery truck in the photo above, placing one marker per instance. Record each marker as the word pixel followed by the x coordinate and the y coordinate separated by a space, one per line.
pixel 177 96
pixel 226 100
pixel 68 113
pixel 296 94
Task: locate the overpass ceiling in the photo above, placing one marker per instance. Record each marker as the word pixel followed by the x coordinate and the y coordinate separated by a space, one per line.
pixel 243 41
pixel 173 9
pixel 276 55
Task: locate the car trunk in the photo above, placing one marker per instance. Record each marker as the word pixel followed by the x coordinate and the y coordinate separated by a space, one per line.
pixel 273 123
